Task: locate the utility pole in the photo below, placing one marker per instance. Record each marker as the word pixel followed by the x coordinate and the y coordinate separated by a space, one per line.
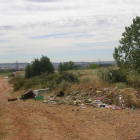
pixel 16 65
pixel 99 63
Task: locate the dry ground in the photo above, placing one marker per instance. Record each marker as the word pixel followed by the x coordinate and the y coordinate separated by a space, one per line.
pixel 34 120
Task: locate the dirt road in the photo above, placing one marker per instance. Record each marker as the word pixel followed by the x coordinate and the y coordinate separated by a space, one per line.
pixel 33 120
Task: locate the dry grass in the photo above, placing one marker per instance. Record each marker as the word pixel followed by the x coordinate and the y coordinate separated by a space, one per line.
pixel 87 78
pixel 93 81
pixel 131 97
pixel 134 80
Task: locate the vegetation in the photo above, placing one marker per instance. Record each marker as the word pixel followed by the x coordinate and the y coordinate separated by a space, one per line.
pixel 67 66
pixel 4 72
pixel 112 75
pixel 52 80
pixel 69 77
pixel 93 66
pixel 127 55
pixel 39 66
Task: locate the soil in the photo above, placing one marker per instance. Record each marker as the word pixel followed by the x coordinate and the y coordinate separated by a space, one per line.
pixel 34 120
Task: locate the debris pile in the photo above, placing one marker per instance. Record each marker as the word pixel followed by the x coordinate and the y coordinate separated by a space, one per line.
pixel 110 98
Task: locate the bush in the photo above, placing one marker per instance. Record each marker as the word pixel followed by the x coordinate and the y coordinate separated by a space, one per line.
pixel 93 66
pixel 67 66
pixel 113 75
pixel 64 84
pixel 11 75
pixel 17 82
pixel 69 77
pixel 29 83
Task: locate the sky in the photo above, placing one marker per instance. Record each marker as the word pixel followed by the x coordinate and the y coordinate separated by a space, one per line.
pixel 63 30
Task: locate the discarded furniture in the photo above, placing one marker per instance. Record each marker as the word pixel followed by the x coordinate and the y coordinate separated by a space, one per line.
pixel 41 92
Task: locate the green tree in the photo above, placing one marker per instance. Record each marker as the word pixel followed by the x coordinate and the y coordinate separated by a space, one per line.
pixel 28 71
pixel 46 65
pixel 127 54
pixel 36 68
pixel 39 66
pixel 93 66
pixel 67 66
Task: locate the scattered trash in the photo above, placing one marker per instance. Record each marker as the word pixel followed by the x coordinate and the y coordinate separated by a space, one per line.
pixel 100 98
pixel 39 98
pixel 41 92
pixel 28 95
pixel 53 102
pixel 133 108
pixel 88 101
pixel 98 91
pixel 60 94
pixel 108 98
pixel 46 101
pixel 12 99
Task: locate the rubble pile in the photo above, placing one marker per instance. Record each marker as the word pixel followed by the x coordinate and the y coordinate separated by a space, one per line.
pixel 110 98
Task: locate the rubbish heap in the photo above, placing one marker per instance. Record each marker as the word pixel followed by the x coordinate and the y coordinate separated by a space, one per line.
pixel 109 98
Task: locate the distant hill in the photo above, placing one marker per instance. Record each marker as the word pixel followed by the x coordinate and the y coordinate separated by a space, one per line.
pixel 22 66
pixel 85 64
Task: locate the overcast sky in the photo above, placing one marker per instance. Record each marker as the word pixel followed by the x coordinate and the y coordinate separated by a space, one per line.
pixel 63 30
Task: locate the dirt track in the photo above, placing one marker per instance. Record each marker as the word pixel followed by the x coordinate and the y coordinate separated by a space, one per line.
pixel 33 120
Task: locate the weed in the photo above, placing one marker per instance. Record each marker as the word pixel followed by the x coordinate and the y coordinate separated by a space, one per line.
pixel 121 85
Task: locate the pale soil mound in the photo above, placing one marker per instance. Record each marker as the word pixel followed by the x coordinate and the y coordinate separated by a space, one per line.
pixel 34 120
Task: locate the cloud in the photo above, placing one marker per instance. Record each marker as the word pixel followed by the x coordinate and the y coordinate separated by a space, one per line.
pixel 51 36
pixel 64 35
pixel 97 45
pixel 43 1
pixel 2 34
pixel 3 41
pixel 6 27
pixel 50 27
